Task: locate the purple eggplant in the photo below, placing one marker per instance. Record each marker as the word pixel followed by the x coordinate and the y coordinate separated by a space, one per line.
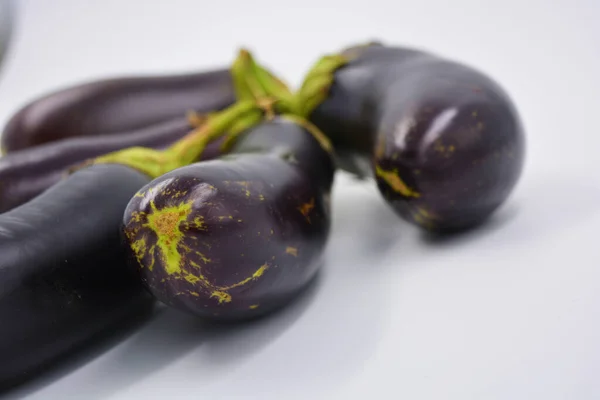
pixel 444 141
pixel 116 107
pixel 238 237
pixel 64 280
pixel 27 173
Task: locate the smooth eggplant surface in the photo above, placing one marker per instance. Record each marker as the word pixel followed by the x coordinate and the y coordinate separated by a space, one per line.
pixel 238 237
pixel 444 141
pixel 116 106
pixel 64 279
pixel 27 173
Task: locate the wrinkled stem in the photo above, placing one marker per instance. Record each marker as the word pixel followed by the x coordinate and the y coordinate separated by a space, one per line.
pixel 260 95
pixel 254 82
pixel 190 147
pixel 317 82
pixel 154 163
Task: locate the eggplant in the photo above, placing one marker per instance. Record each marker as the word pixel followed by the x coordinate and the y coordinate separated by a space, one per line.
pixel 237 237
pixel 444 141
pixel 116 106
pixel 64 280
pixel 27 173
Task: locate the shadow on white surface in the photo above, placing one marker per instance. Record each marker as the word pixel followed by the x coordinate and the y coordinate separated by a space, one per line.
pixel 79 358
pixel 169 337
pixel 546 206
pixel 329 336
pixel 499 219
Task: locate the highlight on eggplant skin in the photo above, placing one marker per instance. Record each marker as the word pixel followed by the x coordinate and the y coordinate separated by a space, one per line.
pixel 239 237
pixel 115 106
pixel 64 280
pixel 444 142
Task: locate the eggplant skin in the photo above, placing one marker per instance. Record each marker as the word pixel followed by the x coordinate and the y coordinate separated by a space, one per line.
pixel 444 141
pixel 116 106
pixel 27 173
pixel 239 237
pixel 64 279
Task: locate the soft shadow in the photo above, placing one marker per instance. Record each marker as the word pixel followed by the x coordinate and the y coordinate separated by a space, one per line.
pixel 81 357
pixel 541 207
pixel 169 338
pixel 501 218
pixel 364 226
pixel 230 343
pixel 340 333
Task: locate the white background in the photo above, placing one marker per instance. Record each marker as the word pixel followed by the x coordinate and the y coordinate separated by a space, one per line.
pixel 509 311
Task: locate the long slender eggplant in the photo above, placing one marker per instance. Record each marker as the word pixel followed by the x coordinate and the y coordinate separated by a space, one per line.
pixel 27 173
pixel 444 141
pixel 64 279
pixel 237 237
pixel 116 106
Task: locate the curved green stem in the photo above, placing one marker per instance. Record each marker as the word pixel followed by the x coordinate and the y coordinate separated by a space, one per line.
pixel 154 163
pixel 317 82
pixel 260 95
pixel 254 82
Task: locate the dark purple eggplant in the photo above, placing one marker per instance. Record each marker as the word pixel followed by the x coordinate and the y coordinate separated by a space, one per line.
pixel 27 173
pixel 116 106
pixel 64 280
pixel 238 237
pixel 444 141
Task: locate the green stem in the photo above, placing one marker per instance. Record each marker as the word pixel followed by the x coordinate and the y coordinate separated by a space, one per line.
pixel 254 82
pixel 245 83
pixel 154 163
pixel 190 147
pixel 317 82
pixel 260 95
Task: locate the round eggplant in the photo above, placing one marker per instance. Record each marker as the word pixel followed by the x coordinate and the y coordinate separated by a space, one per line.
pixel 116 106
pixel 444 141
pixel 238 237
pixel 64 280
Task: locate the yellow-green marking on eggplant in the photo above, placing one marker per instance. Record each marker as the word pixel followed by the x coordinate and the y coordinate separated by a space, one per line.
pixel 292 251
pixel 306 208
pixel 139 249
pixel 166 224
pixel 220 292
pixel 257 274
pixel 222 297
pixel 137 216
pixel 199 223
pixel 254 306
pixel 192 278
pixel 395 182
pixel 424 217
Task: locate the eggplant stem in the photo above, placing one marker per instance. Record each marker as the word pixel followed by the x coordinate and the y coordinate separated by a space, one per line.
pixel 317 82
pixel 260 96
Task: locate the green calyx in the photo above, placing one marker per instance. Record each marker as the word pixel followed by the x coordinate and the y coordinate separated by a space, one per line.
pixel 317 82
pixel 154 163
pixel 254 82
pixel 260 96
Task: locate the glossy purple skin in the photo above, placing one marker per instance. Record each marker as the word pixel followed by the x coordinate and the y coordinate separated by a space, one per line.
pixel 115 107
pixel 26 173
pixel 444 141
pixel 64 280
pixel 249 229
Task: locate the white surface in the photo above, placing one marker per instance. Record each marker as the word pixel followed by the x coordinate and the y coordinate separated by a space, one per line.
pixel 5 26
pixel 510 311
